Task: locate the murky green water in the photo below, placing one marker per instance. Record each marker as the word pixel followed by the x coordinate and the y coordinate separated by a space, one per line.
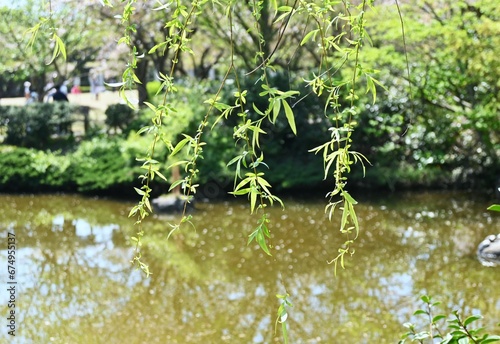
pixel 75 284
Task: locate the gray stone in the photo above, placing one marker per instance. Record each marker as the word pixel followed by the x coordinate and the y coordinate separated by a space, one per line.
pixel 167 204
pixel 488 251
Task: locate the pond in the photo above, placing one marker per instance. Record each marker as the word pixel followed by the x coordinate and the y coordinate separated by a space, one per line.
pixel 75 283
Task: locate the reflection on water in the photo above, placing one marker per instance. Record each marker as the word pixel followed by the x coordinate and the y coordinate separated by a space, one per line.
pixel 76 285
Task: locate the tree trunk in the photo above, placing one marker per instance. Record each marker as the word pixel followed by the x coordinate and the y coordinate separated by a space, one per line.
pixel 141 73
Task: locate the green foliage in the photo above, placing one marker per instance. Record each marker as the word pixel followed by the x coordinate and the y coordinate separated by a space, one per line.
pixel 29 170
pixel 450 124
pixel 35 124
pixel 457 331
pixel 286 155
pixel 153 88
pixel 282 315
pixel 39 40
pixel 494 207
pixel 58 44
pixel 341 105
pixel 119 116
pixel 104 165
pixel 261 234
pixel 454 106
pixel 271 102
pixel 97 166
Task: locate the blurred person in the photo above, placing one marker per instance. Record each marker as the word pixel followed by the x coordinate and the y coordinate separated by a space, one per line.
pixel 58 95
pixel 96 81
pixel 32 98
pixel 64 87
pixel 76 89
pixel 27 91
pixel 76 86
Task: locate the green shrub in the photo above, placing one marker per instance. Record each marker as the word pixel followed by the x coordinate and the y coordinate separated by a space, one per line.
pixel 104 164
pixel 142 119
pixel 35 124
pixel 118 116
pixel 152 88
pixel 29 170
pixel 445 329
pixel 97 166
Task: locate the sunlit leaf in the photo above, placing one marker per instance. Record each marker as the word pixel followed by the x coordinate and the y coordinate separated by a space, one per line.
pixel 438 317
pixel 289 116
pixel 491 339
pixel 159 174
pixel 471 319
pixel 348 197
pixel 310 35
pixel 182 162
pixel 139 191
pixel 180 145
pixel 174 184
pixel 253 199
pixel 494 207
pixel 276 108
pixel 242 183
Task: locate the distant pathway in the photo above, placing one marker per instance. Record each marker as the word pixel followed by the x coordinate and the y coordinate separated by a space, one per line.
pixel 97 107
pixel 86 99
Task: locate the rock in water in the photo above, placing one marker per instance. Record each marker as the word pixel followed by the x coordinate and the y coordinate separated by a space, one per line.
pixel 167 204
pixel 488 251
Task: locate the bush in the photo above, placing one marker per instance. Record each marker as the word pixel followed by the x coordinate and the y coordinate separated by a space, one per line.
pixel 119 116
pixel 457 330
pixel 152 88
pixel 97 166
pixel 29 170
pixel 104 165
pixel 35 124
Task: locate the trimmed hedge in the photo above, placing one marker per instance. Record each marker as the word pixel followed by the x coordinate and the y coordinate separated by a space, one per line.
pixel 104 165
pixel 29 170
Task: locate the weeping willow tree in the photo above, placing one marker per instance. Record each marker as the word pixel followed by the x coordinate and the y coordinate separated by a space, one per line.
pixel 333 31
pixel 259 39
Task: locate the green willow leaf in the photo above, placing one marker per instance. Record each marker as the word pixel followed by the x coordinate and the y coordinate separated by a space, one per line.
pixel 174 184
pixel 348 197
pixel 159 174
pixel 180 145
pixel 253 199
pixel 289 116
pixel 310 35
pixel 494 207
pixel 139 191
pixel 240 192
pixel 276 109
pixel 59 48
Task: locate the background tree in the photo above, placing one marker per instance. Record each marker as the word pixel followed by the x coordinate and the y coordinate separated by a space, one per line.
pixel 446 131
pixel 80 31
pixel 259 37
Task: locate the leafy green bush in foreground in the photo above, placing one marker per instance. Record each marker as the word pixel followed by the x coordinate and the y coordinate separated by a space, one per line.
pixel 457 331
